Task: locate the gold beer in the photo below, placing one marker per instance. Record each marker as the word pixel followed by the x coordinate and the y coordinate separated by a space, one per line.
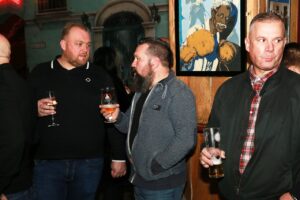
pixel 216 171
pixel 110 108
pixel 212 139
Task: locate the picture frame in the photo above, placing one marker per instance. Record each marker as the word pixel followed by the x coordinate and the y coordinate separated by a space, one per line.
pixel 282 8
pixel 209 37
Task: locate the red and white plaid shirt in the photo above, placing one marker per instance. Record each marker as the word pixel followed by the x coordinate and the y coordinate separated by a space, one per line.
pixel 248 147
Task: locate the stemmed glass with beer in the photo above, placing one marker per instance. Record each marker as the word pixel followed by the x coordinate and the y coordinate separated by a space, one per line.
pixel 108 102
pixel 52 97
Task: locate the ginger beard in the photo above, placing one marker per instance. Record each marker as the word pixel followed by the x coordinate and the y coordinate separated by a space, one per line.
pixel 77 60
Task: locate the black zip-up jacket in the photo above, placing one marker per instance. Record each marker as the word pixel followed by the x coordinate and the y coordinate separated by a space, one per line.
pixel 274 168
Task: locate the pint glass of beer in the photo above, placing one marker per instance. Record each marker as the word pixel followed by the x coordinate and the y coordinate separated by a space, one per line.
pixel 212 141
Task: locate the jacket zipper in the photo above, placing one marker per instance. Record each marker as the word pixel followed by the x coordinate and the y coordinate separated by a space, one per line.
pixel 132 178
pixel 238 188
pixel 130 123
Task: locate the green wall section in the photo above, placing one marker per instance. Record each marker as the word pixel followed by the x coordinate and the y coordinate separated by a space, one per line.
pixel 42 43
pixel 86 5
pixel 42 38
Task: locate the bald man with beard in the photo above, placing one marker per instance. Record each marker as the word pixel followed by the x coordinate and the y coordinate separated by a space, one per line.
pixel 16 125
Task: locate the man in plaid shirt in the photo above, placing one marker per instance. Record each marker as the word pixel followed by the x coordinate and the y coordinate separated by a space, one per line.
pixel 258 113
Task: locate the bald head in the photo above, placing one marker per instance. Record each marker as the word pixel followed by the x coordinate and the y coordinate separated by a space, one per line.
pixel 4 50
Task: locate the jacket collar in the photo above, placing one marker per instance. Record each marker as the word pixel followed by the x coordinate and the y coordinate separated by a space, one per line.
pixel 166 80
pixel 272 82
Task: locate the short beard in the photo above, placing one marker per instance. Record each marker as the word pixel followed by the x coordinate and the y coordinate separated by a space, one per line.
pixel 142 84
pixel 73 61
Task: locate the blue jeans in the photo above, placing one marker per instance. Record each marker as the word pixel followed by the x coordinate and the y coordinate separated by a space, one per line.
pixel 168 194
pixel 67 179
pixel 23 195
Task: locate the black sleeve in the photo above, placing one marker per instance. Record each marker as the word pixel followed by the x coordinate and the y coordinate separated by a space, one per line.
pixel 11 137
pixel 117 147
pixel 115 139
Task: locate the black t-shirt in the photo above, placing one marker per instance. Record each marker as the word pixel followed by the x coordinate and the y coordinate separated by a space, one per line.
pixel 136 116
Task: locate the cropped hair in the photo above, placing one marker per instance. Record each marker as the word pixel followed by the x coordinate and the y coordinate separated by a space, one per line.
pixel 71 25
pixel 266 16
pixel 291 54
pixel 160 49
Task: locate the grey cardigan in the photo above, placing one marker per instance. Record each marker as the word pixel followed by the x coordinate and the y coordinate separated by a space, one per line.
pixel 167 129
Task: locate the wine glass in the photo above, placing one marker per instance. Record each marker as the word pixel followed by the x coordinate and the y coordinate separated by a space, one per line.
pixel 108 102
pixel 51 96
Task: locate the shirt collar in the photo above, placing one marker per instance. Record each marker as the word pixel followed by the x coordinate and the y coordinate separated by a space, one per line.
pixel 86 66
pixel 254 78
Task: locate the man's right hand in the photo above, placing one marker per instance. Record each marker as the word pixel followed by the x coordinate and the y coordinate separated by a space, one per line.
pixel 108 115
pixel 206 156
pixel 45 107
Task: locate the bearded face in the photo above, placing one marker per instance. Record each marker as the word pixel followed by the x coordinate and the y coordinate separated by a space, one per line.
pixel 143 83
pixel 76 47
pixel 142 68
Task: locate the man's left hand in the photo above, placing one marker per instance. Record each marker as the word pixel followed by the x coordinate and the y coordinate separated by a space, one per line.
pixel 3 197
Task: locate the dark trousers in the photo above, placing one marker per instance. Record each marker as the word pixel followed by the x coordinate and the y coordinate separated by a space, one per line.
pixel 67 179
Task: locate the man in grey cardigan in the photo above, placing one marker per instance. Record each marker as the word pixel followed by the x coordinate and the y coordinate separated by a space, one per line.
pixel 161 124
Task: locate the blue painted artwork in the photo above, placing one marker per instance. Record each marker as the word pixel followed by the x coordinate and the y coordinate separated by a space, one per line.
pixel 210 35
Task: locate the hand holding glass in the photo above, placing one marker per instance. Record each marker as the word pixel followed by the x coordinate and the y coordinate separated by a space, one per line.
pixel 212 141
pixel 52 97
pixel 108 102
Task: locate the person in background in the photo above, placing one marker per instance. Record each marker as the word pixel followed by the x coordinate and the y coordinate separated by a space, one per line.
pixel 113 188
pixel 291 56
pixel 17 117
pixel 105 57
pixel 70 157
pixel 161 124
pixel 258 113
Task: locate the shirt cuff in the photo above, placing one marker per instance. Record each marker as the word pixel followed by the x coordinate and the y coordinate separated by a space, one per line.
pixel 118 160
